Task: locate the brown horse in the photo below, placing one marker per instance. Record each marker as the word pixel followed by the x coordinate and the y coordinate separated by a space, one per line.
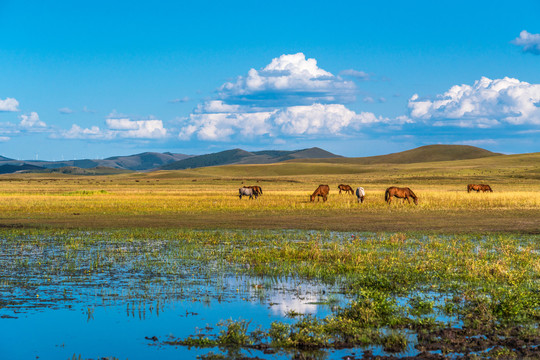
pixel 478 188
pixel 322 191
pixel 346 188
pixel 256 190
pixel 402 193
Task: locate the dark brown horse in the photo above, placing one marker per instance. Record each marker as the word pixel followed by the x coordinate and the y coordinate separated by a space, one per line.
pixel 402 193
pixel 346 188
pixel 321 191
pixel 256 190
pixel 478 188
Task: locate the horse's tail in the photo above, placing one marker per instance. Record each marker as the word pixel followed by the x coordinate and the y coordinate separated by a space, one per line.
pixel 387 195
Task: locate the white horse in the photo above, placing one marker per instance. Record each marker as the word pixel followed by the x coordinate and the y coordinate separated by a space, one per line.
pixel 244 191
pixel 360 193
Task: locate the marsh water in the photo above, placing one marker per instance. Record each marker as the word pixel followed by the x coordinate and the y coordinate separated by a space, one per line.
pixel 110 295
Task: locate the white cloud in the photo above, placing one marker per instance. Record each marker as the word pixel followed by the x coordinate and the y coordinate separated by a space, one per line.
pixel 315 119
pixel 529 42
pixel 147 129
pixel 288 80
pixel 220 126
pixel 217 106
pixel 77 132
pixel 330 119
pixel 487 103
pixel 31 121
pixel 289 97
pixel 4 138
pixel 368 99
pixel 179 100
pixel 65 110
pixel 361 75
pixel 117 128
pixel 9 104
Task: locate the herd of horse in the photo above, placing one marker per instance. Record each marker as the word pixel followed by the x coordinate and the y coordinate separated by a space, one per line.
pixel 322 191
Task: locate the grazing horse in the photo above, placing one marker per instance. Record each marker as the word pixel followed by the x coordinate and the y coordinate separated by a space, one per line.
pixel 256 190
pixel 360 194
pixel 322 191
pixel 346 188
pixel 402 193
pixel 478 188
pixel 245 191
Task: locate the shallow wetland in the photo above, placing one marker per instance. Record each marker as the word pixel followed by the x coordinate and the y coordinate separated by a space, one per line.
pixel 147 293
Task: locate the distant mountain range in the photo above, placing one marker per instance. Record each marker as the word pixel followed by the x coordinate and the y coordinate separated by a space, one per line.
pixel 137 162
pixel 239 156
pixel 168 161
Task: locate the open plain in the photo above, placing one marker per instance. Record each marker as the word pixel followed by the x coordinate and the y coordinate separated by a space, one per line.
pixel 190 267
pixel 207 198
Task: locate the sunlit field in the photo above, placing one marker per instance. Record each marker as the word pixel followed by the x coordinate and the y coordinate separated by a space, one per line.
pixel 208 198
pixel 101 198
pixel 393 278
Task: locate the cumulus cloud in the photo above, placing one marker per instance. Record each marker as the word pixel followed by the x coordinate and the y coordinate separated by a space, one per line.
pixel 31 121
pixel 288 80
pixel 291 96
pixel 529 42
pixel 331 119
pixel 487 103
pixel 147 129
pixel 77 132
pixel 118 128
pixel 9 104
pixel 315 119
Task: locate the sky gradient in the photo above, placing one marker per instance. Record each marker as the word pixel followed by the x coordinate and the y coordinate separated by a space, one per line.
pixel 356 78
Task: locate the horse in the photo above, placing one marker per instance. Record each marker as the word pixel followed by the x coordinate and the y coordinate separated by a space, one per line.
pixel 402 193
pixel 346 188
pixel 360 194
pixel 245 191
pixel 256 189
pixel 478 188
pixel 322 191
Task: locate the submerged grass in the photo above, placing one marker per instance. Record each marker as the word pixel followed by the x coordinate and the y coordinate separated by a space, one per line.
pixel 397 282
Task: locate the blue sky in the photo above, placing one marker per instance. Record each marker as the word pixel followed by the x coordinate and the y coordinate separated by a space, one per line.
pixel 104 78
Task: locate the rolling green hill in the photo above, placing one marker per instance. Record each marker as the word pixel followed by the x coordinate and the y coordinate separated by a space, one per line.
pixel 516 168
pixel 239 156
pixel 428 153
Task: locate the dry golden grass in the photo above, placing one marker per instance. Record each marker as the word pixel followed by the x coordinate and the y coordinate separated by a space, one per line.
pixel 208 197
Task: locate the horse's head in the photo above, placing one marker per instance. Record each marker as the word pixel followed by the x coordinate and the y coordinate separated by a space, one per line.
pixel 311 197
pixel 416 201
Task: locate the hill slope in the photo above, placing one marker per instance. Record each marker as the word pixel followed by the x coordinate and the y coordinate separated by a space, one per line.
pixel 428 153
pixel 239 156
pixel 137 162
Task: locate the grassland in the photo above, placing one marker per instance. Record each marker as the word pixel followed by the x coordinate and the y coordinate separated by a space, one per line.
pixel 206 198
pixel 470 257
